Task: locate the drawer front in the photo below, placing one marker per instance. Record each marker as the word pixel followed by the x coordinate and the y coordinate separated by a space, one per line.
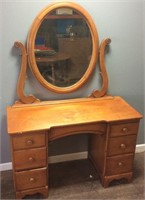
pixel 119 164
pixel 31 179
pixel 124 129
pixel 58 132
pixel 29 140
pixel 121 145
pixel 28 159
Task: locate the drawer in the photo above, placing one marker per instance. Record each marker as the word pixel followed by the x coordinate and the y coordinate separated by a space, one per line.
pixel 31 179
pixel 29 140
pixel 124 129
pixel 30 158
pixel 119 164
pixel 57 132
pixel 121 145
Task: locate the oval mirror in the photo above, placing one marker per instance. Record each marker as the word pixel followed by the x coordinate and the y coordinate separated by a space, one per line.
pixel 62 47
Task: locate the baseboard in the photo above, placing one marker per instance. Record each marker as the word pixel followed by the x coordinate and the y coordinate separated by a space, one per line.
pixel 68 157
pixel 53 159
pixel 5 166
pixel 140 148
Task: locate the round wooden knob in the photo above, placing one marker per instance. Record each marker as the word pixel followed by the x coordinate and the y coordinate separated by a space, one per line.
pixel 125 129
pixel 123 146
pixel 29 142
pixel 31 159
pixel 120 164
pixel 32 180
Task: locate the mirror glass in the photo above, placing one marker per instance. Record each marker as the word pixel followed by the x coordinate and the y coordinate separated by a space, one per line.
pixel 63 47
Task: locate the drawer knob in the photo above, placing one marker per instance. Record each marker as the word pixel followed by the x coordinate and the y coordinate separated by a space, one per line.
pixel 125 129
pixel 31 159
pixel 32 180
pixel 123 146
pixel 120 164
pixel 29 142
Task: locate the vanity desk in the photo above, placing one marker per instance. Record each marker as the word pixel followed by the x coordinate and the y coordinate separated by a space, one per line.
pixel 112 124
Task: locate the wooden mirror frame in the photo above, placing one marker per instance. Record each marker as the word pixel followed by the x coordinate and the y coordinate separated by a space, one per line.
pixel 29 56
pixel 31 41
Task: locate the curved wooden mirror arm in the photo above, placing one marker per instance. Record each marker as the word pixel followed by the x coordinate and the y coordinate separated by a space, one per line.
pixel 28 56
pixel 31 99
pixel 103 91
pixel 21 80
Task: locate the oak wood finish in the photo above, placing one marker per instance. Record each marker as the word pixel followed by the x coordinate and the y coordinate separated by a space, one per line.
pixel 30 158
pixel 30 163
pixel 112 125
pixel 28 141
pixel 31 179
pixel 24 193
pixel 46 115
pixel 103 72
pixel 122 145
pixel 21 81
pixel 113 155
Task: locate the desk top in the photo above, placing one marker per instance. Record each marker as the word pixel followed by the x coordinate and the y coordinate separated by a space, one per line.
pixel 45 115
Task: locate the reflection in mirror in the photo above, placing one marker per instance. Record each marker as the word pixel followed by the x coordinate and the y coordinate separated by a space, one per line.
pixel 63 47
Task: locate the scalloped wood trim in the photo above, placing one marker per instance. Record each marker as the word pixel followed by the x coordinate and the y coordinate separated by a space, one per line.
pixel 21 80
pixel 103 72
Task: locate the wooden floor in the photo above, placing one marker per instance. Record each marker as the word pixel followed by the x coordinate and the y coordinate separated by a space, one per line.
pixel 78 180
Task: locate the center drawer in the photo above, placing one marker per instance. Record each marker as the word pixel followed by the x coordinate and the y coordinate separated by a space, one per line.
pixel 62 131
pixel 30 158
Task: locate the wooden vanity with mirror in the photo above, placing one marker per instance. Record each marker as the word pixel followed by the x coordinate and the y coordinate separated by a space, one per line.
pixel 62 52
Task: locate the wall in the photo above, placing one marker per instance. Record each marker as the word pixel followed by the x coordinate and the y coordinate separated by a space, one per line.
pixel 122 21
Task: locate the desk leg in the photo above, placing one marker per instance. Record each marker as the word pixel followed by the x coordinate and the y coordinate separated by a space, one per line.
pixel 97 153
pixel 108 179
pixel 43 191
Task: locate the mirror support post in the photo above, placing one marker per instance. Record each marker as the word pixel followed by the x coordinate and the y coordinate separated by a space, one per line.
pixel 103 91
pixel 21 80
